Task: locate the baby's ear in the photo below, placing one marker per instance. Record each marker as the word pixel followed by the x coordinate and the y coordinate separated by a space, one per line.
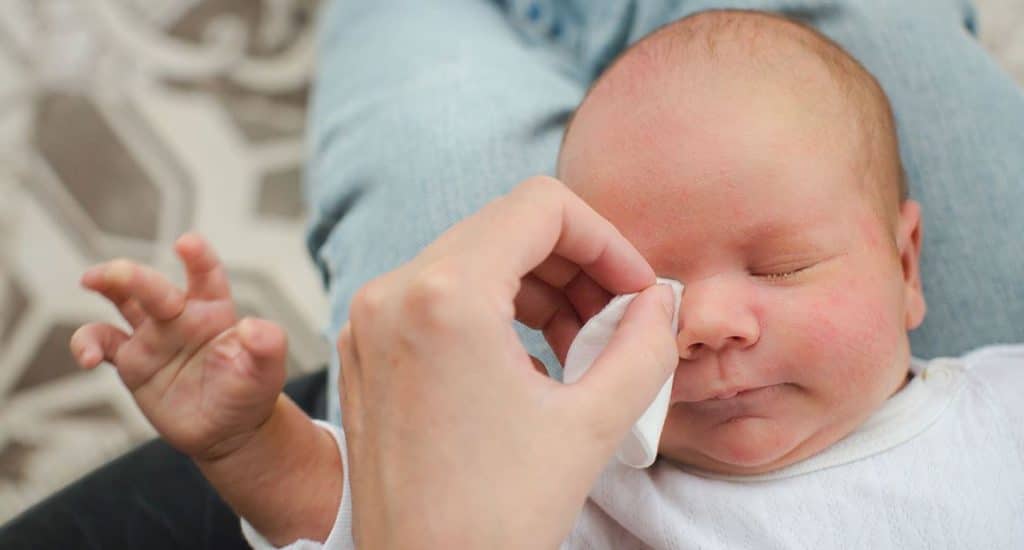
pixel 908 243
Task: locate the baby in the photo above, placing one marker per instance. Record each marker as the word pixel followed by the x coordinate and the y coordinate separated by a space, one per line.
pixel 754 160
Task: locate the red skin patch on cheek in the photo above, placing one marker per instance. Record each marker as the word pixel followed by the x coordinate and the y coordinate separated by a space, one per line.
pixel 820 325
pixel 821 314
pixel 838 331
pixel 852 329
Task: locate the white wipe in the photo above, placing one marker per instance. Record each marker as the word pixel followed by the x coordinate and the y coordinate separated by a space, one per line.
pixel 640 447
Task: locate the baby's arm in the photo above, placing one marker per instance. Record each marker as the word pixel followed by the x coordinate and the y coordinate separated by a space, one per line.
pixel 211 386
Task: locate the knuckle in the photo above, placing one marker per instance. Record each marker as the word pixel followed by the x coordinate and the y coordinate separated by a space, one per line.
pixel 431 295
pixel 344 341
pixel 553 189
pixel 542 185
pixel 542 192
pixel 197 324
pixel 369 299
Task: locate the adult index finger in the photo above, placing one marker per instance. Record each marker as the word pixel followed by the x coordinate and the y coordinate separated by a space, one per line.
pixel 512 235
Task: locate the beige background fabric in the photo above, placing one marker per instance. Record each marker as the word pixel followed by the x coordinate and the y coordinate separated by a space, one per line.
pixel 124 123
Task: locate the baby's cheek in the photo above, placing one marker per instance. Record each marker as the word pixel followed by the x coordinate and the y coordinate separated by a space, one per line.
pixel 857 317
pixel 826 321
pixel 851 335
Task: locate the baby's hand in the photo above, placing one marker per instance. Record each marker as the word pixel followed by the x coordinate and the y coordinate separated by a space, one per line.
pixel 205 380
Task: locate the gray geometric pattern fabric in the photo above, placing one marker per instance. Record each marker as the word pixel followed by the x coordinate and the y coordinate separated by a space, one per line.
pixel 124 123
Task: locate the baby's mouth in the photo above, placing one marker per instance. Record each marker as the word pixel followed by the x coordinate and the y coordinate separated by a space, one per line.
pixel 745 398
pixel 729 394
pixel 722 395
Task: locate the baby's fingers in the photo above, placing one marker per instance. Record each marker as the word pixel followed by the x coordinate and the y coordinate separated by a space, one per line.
pixel 206 276
pixel 94 342
pixel 124 282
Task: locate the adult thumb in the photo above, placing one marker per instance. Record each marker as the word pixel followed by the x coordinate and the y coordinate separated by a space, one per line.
pixel 634 365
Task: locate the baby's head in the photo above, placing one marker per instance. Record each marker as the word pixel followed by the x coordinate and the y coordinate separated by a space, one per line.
pixel 755 161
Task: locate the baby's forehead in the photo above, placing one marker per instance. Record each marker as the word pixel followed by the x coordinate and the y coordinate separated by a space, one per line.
pixel 674 66
pixel 743 45
pixel 769 68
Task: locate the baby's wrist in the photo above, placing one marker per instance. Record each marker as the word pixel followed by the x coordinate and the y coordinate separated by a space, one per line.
pixel 285 480
pixel 240 444
pixel 250 447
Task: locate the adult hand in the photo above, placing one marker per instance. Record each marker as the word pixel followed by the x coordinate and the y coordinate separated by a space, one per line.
pixel 456 438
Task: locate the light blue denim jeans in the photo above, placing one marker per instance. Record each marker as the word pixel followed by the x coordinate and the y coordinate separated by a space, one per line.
pixel 424 110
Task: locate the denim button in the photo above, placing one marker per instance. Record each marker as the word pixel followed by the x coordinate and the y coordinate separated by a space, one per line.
pixel 533 12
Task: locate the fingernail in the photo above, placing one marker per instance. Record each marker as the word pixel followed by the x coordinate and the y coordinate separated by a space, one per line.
pixel 668 299
pixel 119 272
pixel 247 330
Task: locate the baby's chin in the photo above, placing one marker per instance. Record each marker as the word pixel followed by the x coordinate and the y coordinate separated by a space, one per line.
pixel 742 446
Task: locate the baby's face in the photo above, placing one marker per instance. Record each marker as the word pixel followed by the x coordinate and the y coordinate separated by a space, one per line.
pixel 798 296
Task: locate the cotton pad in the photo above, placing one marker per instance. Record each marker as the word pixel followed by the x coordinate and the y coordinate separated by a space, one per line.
pixel 640 447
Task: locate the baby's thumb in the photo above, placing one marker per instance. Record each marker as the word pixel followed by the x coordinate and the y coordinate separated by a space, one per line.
pixel 266 342
pixel 632 368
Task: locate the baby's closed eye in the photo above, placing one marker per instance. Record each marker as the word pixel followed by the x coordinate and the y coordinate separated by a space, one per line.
pixel 777 273
pixel 782 268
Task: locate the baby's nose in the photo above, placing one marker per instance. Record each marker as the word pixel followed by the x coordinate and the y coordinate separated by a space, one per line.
pixel 714 316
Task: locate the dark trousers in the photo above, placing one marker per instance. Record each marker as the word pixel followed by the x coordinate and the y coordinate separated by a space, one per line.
pixel 151 498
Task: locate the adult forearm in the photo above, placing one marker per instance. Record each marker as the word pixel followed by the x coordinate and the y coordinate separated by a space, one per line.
pixel 286 481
